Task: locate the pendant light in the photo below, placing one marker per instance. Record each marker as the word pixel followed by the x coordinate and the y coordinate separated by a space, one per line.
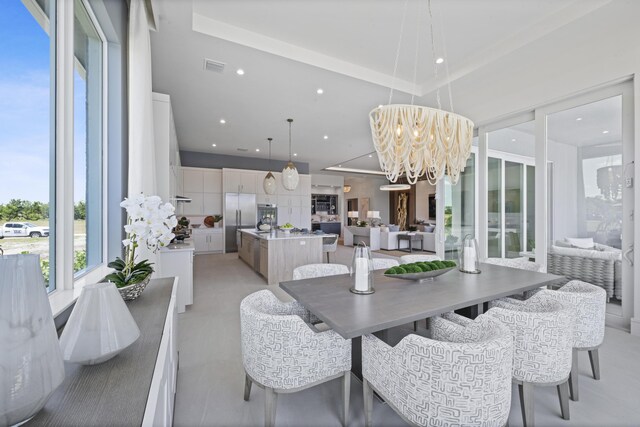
pixel 290 176
pixel 269 182
pixel 413 140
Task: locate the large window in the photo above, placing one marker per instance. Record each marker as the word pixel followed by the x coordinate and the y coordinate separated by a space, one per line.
pixel 459 208
pixel 27 144
pixel 88 89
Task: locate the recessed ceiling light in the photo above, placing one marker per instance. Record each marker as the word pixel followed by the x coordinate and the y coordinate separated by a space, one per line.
pixel 513 140
pixel 339 166
pixel 326 137
pixel 380 106
pixel 257 149
pixel 319 91
pixel 213 145
pixel 222 121
pixel 605 131
pixel 439 60
pixel 240 72
pixel 578 119
pixel 295 154
pixel 370 155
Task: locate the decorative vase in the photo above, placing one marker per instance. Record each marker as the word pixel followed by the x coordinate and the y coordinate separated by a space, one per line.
pixel 362 270
pixel 100 326
pixel 30 359
pixel 131 292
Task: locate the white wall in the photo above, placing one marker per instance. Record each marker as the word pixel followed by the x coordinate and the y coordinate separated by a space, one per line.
pixel 362 187
pixel 423 189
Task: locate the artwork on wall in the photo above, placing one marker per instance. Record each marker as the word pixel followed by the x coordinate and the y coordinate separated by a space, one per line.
pixel 363 208
pixel 432 206
pixel 401 211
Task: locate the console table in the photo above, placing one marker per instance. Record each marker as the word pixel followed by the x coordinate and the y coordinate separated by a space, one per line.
pixel 135 388
pixel 369 235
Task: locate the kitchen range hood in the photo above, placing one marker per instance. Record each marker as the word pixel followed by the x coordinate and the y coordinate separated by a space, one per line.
pixel 181 199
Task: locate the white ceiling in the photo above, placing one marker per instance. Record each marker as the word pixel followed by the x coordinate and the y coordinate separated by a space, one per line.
pixel 346 47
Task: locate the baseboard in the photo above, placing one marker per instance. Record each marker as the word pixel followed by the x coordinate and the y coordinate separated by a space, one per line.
pixel 635 326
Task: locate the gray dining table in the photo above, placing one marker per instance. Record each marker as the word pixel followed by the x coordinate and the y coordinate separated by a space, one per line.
pixel 398 302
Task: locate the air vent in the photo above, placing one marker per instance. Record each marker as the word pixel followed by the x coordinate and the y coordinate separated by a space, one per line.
pixel 215 66
pixel 243 149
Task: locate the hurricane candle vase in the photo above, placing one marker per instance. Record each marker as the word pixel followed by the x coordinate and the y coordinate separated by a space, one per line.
pixel 362 270
pixel 468 254
pixel 30 357
pixel 100 326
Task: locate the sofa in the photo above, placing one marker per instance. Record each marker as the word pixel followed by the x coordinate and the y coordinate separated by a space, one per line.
pixel 600 265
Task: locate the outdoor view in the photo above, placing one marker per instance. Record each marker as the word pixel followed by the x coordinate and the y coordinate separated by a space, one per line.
pixel 26 165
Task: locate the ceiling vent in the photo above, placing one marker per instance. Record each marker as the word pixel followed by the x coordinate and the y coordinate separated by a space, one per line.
pixel 242 149
pixel 215 66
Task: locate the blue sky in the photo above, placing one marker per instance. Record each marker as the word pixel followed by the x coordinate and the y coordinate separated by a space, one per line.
pixel 24 108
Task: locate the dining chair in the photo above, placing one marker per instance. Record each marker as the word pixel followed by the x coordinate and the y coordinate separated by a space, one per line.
pixel 282 353
pixel 329 244
pixel 310 271
pixel 462 377
pixel 408 259
pixel 522 263
pixel 588 303
pixel 542 330
pixel 384 263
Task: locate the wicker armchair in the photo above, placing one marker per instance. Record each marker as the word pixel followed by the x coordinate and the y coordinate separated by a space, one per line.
pixel 522 263
pixel 283 354
pixel 600 268
pixel 588 303
pixel 310 271
pixel 384 263
pixel 463 378
pixel 543 339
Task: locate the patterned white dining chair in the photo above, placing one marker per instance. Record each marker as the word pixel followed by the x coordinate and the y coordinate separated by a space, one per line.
pixel 589 304
pixel 384 263
pixel 408 259
pixel 283 354
pixel 543 338
pixel 310 271
pixel 461 378
pixel 329 245
pixel 522 263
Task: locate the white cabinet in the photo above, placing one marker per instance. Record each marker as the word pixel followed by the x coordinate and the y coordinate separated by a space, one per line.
pixel 212 203
pixel 266 198
pixel 208 240
pixel 212 181
pixel 192 180
pixel 179 263
pixel 195 207
pixel 239 181
pixel 204 188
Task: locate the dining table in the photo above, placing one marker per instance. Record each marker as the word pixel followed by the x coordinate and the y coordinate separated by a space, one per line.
pixel 397 302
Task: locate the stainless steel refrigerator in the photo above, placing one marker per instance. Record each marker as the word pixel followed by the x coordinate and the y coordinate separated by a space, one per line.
pixel 240 212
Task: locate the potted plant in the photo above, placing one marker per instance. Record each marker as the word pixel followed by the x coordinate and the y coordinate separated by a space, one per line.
pixel 149 222
pixel 217 221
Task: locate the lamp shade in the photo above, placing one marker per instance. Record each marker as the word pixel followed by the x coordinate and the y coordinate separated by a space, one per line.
pixel 290 177
pixel 30 359
pixel 352 214
pixel 99 327
pixel 269 184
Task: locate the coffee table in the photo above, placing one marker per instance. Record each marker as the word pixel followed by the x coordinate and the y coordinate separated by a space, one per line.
pixel 411 238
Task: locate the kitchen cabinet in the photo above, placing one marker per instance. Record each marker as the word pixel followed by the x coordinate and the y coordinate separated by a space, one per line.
pixel 192 180
pixel 179 263
pixel 195 207
pixel 237 181
pixel 265 198
pixel 204 188
pixel 212 203
pixel 207 240
pixel 212 181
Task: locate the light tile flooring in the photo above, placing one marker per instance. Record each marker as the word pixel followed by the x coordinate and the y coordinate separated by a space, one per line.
pixel 211 379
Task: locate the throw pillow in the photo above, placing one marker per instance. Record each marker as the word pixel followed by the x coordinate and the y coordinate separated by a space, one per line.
pixel 429 228
pixel 582 243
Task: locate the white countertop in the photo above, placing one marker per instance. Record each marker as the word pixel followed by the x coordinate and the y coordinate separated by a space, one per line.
pixel 179 247
pixel 280 235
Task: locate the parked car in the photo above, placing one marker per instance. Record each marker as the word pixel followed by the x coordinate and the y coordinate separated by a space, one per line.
pixel 23 229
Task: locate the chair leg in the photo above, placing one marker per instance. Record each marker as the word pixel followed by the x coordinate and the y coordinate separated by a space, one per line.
pixel 563 395
pixel 415 326
pixel 595 363
pixel 367 394
pixel 526 403
pixel 247 387
pixel 270 403
pixel 573 377
pixel 346 392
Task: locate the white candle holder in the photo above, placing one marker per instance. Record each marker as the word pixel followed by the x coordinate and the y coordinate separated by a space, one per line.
pixel 468 255
pixel 362 270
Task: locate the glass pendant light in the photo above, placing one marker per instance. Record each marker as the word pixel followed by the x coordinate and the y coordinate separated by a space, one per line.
pixel 269 182
pixel 290 176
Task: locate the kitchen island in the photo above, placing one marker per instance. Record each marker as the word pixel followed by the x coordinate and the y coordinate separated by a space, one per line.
pixel 275 255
